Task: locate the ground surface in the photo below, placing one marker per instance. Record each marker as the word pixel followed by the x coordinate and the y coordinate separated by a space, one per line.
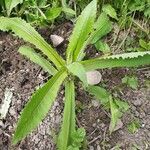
pixel 22 77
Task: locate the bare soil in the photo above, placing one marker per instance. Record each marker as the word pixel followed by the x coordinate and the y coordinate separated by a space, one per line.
pixel 22 77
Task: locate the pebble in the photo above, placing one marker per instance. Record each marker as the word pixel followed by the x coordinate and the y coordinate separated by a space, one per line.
pixel 95 103
pixel 98 147
pixel 56 40
pixel 91 147
pixel 137 102
pixel 93 77
pixel 12 112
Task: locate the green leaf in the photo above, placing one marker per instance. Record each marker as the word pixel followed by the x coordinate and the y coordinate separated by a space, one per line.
pixel 99 93
pixel 41 3
pixel 78 70
pixel 102 27
pixel 68 125
pixel 103 47
pixel 81 31
pixel 68 10
pixel 28 33
pixel 132 59
pixel 109 10
pixel 77 139
pixel 38 59
pixel 122 105
pixel 131 81
pixel 52 13
pixel 133 126
pixel 118 108
pixel 144 45
pixel 38 106
pixel 115 114
pixel 10 4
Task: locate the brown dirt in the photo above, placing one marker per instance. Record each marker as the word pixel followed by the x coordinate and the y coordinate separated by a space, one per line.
pixel 23 77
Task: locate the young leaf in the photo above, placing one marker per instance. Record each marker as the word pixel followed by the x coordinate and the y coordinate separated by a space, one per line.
pixel 109 10
pixel 117 108
pixel 115 114
pixel 131 81
pixel 52 13
pixel 28 33
pixel 83 27
pixel 38 106
pixel 68 10
pixel 38 59
pixel 78 70
pixel 102 46
pixel 133 126
pixel 99 93
pixel 77 139
pixel 102 27
pixel 68 126
pixel 10 4
pixel 122 105
pixel 133 59
pixel 144 45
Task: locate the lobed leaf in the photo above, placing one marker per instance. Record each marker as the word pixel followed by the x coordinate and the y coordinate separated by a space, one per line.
pixel 133 59
pixel 28 33
pixel 68 125
pixel 83 27
pixel 38 106
pixel 38 59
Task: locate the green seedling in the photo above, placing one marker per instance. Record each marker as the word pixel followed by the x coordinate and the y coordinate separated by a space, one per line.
pixel 86 31
pixel 133 126
pixel 131 81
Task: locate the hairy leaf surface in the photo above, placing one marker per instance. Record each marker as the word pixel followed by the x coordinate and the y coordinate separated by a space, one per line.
pixel 38 106
pixel 38 59
pixel 133 59
pixel 68 126
pixel 83 27
pixel 28 33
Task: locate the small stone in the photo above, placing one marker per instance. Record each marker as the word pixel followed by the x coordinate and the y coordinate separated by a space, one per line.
pixel 56 40
pixel 93 77
pixel 94 125
pixel 95 103
pixel 12 112
pixel 137 102
pixel 91 147
pixel 119 125
pixel 98 147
